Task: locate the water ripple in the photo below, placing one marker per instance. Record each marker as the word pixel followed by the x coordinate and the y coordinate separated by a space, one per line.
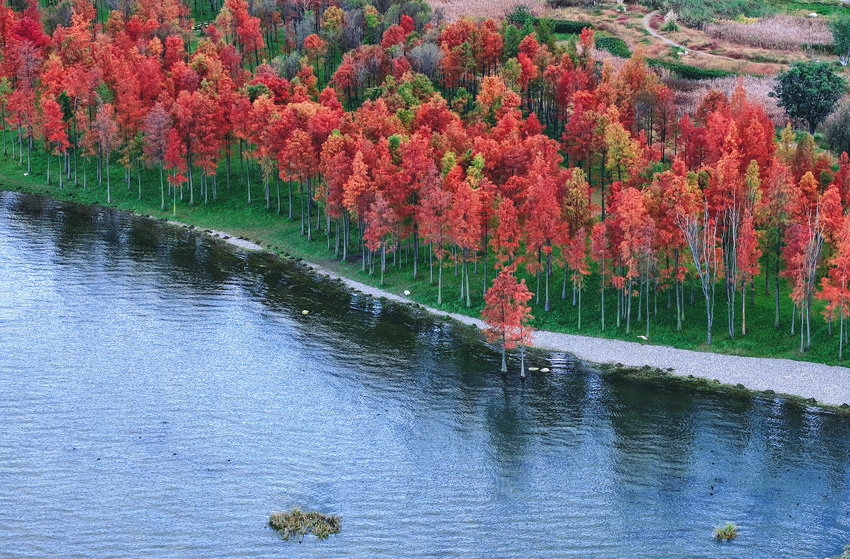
pixel 160 395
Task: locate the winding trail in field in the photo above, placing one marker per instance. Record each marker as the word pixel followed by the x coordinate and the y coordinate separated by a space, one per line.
pixel 827 384
pixel 648 17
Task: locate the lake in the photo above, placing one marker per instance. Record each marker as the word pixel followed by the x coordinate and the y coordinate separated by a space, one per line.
pixel 162 393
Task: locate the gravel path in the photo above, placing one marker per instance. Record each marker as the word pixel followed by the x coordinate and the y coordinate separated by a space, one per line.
pixel 826 384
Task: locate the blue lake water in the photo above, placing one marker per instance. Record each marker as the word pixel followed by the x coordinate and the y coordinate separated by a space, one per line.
pixel 162 394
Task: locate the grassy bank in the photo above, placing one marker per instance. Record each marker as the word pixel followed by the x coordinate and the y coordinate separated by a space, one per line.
pixel 231 213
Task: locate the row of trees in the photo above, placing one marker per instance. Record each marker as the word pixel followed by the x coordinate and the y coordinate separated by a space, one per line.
pixel 624 186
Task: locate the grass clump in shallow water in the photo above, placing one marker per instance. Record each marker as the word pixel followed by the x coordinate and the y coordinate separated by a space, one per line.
pixel 727 532
pixel 299 523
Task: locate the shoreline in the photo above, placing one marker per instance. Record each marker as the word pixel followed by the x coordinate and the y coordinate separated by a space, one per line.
pixel 826 386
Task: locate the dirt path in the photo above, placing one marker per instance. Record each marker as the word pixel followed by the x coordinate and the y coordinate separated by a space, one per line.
pixel 654 33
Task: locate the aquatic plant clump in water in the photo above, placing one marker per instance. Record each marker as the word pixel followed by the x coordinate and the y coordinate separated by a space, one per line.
pixel 727 532
pixel 298 523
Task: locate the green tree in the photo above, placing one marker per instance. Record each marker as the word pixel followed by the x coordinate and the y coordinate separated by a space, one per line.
pixel 840 28
pixel 836 130
pixel 809 91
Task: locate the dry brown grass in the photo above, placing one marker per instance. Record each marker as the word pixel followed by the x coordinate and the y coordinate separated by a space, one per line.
pixel 778 32
pixel 689 93
pixel 453 9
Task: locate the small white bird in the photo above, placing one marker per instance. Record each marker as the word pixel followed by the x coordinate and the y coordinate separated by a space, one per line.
pixel 643 337
pixel 305 312
pixel 406 292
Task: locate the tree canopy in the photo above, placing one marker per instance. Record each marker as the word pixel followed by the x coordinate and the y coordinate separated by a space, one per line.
pixel 809 91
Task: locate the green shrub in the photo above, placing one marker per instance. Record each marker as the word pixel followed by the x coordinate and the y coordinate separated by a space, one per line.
pixel 822 48
pixel 566 26
pixel 670 26
pixel 727 532
pixel 836 130
pixel 519 15
pixel 614 45
pixel 689 72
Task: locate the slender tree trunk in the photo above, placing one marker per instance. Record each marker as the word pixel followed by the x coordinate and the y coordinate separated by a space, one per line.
pixel 309 208
pixel 345 231
pixel 290 197
pixel 547 273
pixel 841 332
pixel 440 281
pixel 301 200
pixel 619 305
pixel 277 182
pixel 793 317
pixel 647 302
pixel 466 274
pixel 776 287
pixel 564 285
pixel 161 187
pixel 579 310
pixel 602 294
pixel 191 179
pixel 709 321
pixel 641 289
pixel 522 361
pixel 247 177
pixel 504 368
pixel 383 261
pixel 677 288
pixel 415 250
pixel 108 183
pixel 336 240
pixel 808 326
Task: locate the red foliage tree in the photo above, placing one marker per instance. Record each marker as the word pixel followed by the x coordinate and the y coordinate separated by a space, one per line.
pixel 465 222
pixel 156 128
pixel 507 315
